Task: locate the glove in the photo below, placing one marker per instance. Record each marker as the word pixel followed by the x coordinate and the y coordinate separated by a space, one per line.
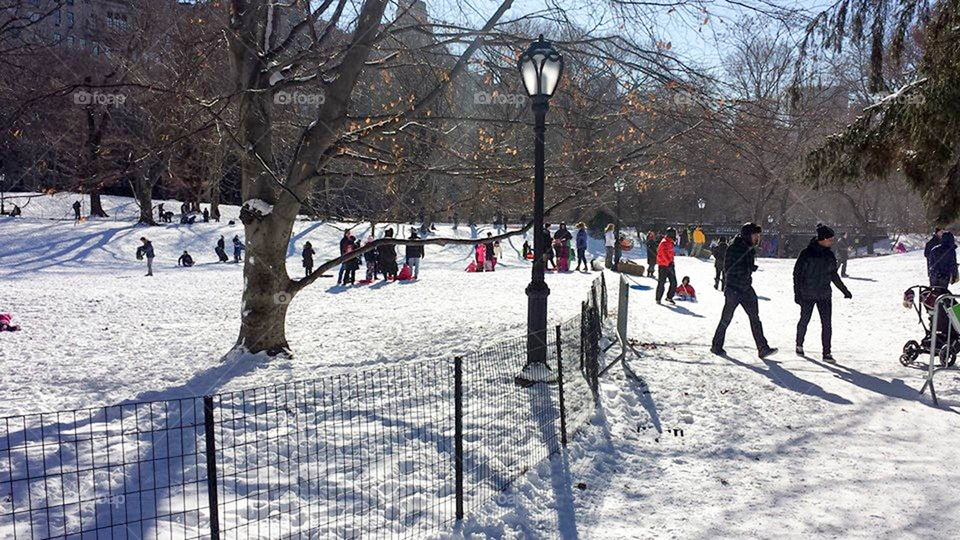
pixel 847 294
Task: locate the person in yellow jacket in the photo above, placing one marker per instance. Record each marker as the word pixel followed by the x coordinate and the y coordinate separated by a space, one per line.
pixel 699 239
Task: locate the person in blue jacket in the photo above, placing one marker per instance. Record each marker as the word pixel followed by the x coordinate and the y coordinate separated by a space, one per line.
pixel 582 247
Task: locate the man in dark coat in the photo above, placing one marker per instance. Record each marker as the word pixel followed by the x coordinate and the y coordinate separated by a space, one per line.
pixel 388 257
pixel 146 251
pixel 345 242
pixel 842 249
pixel 719 252
pixel 414 255
pixel 814 271
pixel 308 254
pixel 932 243
pixel 76 211
pixel 739 264
pixel 943 262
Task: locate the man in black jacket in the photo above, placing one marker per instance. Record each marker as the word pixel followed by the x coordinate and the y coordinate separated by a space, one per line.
pixel 719 253
pixel 738 267
pixel 414 254
pixel 815 270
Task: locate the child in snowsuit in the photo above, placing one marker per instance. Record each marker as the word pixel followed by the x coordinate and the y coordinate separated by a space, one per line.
pixel 221 250
pixel 237 248
pixel 185 260
pixel 480 252
pixel 370 259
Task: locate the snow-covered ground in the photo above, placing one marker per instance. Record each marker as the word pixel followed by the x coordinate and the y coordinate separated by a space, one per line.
pixel 96 331
pixel 784 447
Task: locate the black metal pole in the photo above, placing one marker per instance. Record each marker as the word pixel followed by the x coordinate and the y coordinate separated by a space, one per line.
pixel 458 432
pixel 616 235
pixel 211 451
pixel 537 290
pixel 563 408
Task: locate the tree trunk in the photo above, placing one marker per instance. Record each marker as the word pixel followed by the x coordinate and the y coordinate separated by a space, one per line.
pixel 215 197
pixel 96 207
pixel 266 294
pixel 145 199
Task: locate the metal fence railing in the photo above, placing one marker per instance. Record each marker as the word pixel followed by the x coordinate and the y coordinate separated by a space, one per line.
pixel 395 451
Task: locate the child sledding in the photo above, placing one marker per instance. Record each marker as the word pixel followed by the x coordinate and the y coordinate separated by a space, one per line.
pixel 6 323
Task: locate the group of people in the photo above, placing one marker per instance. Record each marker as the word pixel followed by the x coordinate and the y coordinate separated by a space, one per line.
pixel 379 260
pixel 146 252
pixel 560 245
pixel 486 254
pixel 816 269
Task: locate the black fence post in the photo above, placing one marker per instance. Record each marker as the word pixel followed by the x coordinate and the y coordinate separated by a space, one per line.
pixel 211 450
pixel 583 334
pixel 458 430
pixel 563 409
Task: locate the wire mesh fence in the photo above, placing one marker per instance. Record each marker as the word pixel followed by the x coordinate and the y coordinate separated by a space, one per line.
pixel 397 451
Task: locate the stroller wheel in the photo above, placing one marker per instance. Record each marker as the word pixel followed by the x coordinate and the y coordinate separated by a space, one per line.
pixel 911 350
pixel 947 356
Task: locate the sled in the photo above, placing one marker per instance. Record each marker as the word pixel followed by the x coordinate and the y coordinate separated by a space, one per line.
pixel 472 267
pixel 563 265
pixel 405 273
pixel 631 268
pixel 365 282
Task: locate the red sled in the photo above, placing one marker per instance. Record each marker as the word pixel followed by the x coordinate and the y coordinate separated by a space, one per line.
pixel 563 265
pixel 405 273
pixel 364 282
pixel 472 267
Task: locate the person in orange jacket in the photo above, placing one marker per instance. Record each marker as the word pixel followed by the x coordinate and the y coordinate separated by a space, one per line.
pixel 666 270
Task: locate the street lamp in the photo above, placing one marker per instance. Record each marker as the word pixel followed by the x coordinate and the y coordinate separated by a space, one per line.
pixel 540 68
pixel 618 186
pixel 701 204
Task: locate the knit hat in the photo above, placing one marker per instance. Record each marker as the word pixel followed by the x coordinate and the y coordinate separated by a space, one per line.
pixel 750 228
pixel 824 232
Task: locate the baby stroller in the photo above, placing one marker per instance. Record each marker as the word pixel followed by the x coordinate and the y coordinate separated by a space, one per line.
pixel 923 300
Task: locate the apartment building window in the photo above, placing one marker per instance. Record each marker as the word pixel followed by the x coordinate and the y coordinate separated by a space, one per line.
pixel 34 16
pixel 70 41
pixel 56 18
pixel 69 19
pixel 56 39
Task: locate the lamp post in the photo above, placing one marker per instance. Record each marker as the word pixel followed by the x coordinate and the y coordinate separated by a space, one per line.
pixel 701 204
pixel 540 69
pixel 618 186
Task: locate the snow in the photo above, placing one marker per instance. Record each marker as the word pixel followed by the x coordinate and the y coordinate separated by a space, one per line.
pixel 96 331
pixel 787 446
pixel 689 445
pixel 259 206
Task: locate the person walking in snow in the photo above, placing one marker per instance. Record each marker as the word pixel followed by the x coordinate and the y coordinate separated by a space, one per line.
pixel 206 216
pixel 185 260
pixel 76 211
pixel 146 251
pixel 719 252
pixel 666 269
pixel 738 267
pixel 841 248
pixel 943 262
pixel 582 247
pixel 814 271
pixel 237 248
pixel 609 245
pixel 414 255
pixel 352 265
pixel 651 246
pixel 308 254
pixel 932 243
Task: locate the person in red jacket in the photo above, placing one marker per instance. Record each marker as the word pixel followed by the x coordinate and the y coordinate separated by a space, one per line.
pixel 666 271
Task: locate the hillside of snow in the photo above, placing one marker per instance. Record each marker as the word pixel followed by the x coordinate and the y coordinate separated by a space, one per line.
pixel 684 444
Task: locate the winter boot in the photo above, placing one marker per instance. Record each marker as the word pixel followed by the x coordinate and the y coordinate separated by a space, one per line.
pixel 767 351
pixel 799 350
pixel 828 358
